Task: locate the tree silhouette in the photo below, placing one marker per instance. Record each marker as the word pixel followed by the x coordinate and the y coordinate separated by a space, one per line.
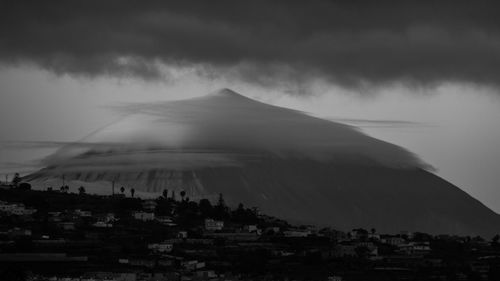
pixel 183 193
pixel 122 189
pixel 220 202
pixel 16 180
pixel 81 190
pixel 206 208
pixel 495 239
pixel 132 192
pixel 24 186
pixel 221 211
pixel 165 193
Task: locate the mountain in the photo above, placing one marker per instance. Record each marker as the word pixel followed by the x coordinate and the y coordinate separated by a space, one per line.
pixel 285 162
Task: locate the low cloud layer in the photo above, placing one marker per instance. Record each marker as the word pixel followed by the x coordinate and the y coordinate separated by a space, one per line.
pixel 350 43
pixel 214 129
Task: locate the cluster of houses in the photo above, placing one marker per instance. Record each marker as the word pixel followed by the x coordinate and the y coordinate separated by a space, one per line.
pixel 208 251
pixel 18 209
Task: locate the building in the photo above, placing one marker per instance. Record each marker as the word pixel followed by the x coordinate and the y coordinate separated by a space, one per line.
pixel 415 248
pixel 235 236
pixel 213 225
pixel 149 205
pixel 161 247
pixel 102 224
pixel 19 232
pixel 297 233
pixel 393 240
pixel 17 209
pixel 82 213
pixel 144 216
pixel 252 228
pixel 67 225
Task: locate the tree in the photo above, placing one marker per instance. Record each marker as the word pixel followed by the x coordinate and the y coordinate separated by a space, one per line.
pixel 81 190
pixel 165 193
pixel 122 189
pixel 206 208
pixel 16 180
pixel 241 207
pixel 221 211
pixel 24 186
pixel 183 193
pixel 220 202
pixel 495 239
pixel 132 192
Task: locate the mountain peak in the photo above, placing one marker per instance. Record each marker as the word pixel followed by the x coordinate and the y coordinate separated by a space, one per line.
pixel 225 92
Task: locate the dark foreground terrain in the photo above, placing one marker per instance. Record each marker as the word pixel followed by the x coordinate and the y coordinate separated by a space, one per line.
pixel 68 236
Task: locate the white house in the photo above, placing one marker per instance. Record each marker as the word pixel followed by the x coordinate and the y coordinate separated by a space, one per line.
pixel 212 225
pixel 161 247
pixel 82 213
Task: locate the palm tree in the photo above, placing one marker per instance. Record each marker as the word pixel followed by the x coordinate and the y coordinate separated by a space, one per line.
pixel 16 180
pixel 122 189
pixel 132 191
pixel 81 190
pixel 221 202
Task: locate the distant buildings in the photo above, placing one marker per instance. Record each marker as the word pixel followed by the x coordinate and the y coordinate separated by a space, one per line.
pixel 392 240
pixel 297 233
pixel 82 213
pixel 213 225
pixel 161 248
pixel 17 209
pixel 149 205
pixel 144 216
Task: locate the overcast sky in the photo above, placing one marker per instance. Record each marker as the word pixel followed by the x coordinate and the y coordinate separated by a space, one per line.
pixel 420 74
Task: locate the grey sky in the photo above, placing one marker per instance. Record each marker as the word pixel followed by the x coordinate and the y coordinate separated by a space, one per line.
pixel 452 127
pixel 433 65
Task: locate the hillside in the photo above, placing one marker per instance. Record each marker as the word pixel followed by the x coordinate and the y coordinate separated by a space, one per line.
pixel 287 163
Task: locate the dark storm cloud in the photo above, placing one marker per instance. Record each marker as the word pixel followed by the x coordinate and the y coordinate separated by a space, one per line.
pixel 351 43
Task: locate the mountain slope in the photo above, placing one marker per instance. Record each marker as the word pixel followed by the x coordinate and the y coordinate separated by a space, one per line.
pixel 287 163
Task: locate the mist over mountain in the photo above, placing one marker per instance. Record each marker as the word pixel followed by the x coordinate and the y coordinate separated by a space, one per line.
pixel 285 162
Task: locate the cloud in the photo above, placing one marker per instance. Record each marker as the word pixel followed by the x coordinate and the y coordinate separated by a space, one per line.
pixel 364 123
pixel 350 43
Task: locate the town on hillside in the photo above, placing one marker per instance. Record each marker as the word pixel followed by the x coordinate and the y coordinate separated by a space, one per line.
pixel 68 234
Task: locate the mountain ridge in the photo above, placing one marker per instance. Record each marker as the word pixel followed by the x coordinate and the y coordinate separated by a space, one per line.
pixel 290 164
